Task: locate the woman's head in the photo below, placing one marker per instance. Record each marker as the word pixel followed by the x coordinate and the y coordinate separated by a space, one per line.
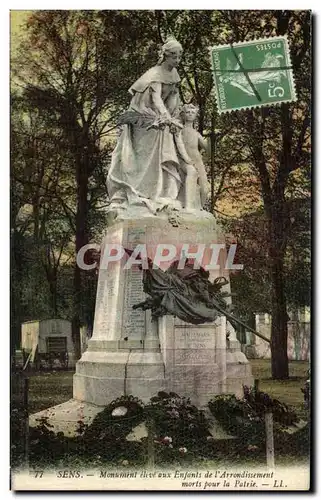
pixel 171 52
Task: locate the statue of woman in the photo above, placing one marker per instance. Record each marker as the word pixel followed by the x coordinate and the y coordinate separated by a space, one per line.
pixel 150 163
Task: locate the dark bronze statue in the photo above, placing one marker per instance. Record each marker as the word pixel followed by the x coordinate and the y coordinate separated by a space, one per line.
pixel 188 294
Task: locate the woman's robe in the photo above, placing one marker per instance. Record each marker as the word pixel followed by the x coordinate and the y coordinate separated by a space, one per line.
pixel 144 158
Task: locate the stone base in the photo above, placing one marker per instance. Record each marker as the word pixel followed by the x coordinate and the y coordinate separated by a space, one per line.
pixel 102 376
pixel 65 417
pixel 194 359
pixel 131 354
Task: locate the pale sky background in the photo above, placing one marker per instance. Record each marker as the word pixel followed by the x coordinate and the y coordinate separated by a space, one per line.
pixel 17 18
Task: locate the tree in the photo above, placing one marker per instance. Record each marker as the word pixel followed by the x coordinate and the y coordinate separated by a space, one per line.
pixel 278 149
pixel 252 285
pixel 76 69
pixel 280 145
pixel 40 231
pixel 64 79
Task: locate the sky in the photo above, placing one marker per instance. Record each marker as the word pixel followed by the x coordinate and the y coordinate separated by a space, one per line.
pixel 17 18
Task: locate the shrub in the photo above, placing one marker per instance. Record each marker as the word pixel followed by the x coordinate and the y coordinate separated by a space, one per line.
pixel 244 417
pixel 17 435
pixel 261 402
pixel 106 436
pixel 180 429
pixel 178 432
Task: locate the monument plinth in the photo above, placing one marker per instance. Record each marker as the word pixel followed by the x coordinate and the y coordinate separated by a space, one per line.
pixel 129 353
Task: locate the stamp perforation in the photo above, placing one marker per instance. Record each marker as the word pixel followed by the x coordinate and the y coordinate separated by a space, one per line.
pixel 247 42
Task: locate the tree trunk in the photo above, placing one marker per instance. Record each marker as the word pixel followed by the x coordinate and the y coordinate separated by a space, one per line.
pixel 16 280
pixel 53 293
pixel 201 117
pixel 75 323
pixel 279 328
pixel 212 139
pixel 81 240
pixel 279 332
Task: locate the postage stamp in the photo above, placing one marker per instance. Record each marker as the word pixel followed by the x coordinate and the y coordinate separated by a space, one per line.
pixel 252 74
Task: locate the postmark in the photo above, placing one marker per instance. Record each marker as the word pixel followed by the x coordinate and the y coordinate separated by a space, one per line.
pixel 252 74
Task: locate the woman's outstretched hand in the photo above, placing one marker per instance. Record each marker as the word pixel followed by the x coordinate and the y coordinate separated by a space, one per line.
pixel 166 120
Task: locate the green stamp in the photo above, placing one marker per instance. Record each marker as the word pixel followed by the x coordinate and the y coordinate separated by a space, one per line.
pixel 251 74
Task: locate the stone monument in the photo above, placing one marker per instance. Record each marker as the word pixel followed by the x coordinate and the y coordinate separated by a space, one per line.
pixel 157 186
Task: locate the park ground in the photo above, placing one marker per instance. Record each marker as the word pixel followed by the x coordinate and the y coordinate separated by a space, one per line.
pixel 47 389
pixel 51 388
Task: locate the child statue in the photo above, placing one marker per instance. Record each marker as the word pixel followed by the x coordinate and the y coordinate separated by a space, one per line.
pixel 194 142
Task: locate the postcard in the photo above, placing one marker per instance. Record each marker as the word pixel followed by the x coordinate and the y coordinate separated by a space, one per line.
pixel 160 250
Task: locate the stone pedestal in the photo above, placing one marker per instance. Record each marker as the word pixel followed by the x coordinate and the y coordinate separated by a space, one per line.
pixel 194 358
pixel 130 354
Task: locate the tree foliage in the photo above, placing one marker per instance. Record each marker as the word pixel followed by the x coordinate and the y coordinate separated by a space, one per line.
pixel 71 76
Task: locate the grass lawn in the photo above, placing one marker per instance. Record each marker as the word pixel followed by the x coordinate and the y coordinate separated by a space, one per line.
pixel 48 389
pixel 287 391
